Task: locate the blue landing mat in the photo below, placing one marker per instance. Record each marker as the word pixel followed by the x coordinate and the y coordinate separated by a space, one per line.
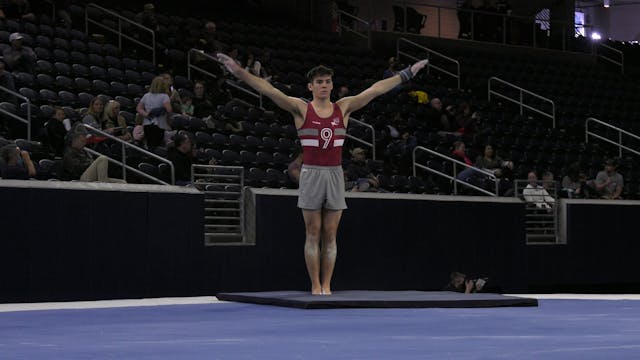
pixel 377 299
pixel 555 330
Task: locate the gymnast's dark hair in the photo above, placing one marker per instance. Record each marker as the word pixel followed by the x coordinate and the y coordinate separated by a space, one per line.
pixel 319 70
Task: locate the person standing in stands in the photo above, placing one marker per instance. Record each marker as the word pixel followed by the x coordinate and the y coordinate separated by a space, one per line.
pixel 322 130
pixel 155 107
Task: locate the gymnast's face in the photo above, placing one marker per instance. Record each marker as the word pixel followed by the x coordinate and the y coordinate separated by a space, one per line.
pixel 321 86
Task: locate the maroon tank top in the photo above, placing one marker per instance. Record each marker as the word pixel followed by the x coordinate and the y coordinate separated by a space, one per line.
pixel 322 138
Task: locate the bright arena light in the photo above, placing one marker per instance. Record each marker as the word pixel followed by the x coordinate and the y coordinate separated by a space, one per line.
pixel 595 36
pixel 605 3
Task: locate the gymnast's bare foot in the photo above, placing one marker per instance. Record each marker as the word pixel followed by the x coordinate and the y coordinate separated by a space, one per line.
pixel 326 290
pixel 316 290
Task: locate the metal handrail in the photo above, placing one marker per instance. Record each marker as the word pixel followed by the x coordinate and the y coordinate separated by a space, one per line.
pixel 453 178
pixel 429 52
pixel 124 157
pixel 474 12
pixel 19 118
pixel 237 86
pixel 619 63
pixel 520 194
pixel 342 13
pixel 192 66
pixel 362 141
pixel 520 101
pixel 121 18
pixel 620 132
pixel 539 225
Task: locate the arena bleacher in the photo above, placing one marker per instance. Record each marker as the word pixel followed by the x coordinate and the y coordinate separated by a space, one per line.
pixel 73 67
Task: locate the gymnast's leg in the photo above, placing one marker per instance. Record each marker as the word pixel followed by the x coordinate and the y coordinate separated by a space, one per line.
pixel 330 222
pixel 312 222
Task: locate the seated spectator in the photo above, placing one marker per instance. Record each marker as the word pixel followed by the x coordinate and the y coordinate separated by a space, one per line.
pixel 465 174
pixel 16 163
pixel 609 183
pixel 57 128
pixel 93 118
pixel 465 120
pixel 501 169
pixel 155 107
pixel 78 164
pixel 435 118
pixel 293 170
pixel 18 10
pixel 358 175
pixel 148 18
pixel 458 282
pixel 94 114
pixel 491 162
pixel 254 66
pixel 209 41
pixel 181 156
pixel 18 57
pixel 187 106
pixel 574 183
pixel 393 69
pixel 6 80
pixel 113 122
pixel 549 182
pixel 536 194
pixel 202 107
pixel 138 132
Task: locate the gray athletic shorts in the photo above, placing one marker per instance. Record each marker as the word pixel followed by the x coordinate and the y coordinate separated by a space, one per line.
pixel 321 187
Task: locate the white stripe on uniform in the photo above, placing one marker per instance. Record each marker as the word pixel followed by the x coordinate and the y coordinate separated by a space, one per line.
pixel 338 142
pixel 310 142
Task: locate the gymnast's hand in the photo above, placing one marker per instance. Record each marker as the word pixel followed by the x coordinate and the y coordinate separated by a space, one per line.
pixel 415 68
pixel 229 63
